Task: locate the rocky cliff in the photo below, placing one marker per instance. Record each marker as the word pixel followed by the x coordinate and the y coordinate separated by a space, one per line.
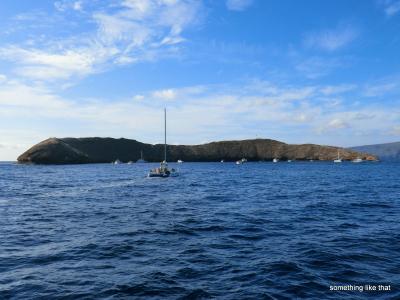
pixel 105 150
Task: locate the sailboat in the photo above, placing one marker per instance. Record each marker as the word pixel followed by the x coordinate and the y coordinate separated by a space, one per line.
pixel 163 171
pixel 141 160
pixel 338 160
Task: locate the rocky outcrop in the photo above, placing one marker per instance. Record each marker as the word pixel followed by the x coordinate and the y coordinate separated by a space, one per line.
pixel 105 150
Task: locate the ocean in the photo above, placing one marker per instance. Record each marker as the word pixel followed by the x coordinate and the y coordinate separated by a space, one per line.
pixel 300 230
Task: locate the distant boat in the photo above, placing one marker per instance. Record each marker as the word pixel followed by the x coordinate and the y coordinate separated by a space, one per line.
pixel 179 161
pixel 222 160
pixel 289 160
pixel 241 161
pixel 357 160
pixel 117 162
pixel 163 171
pixel 338 160
pixel 130 162
pixel 275 160
pixel 141 160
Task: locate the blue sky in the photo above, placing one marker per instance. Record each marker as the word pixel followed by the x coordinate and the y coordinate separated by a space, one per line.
pixel 322 72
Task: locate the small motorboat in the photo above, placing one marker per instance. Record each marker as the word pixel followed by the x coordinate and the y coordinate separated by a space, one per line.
pixel 179 161
pixel 289 160
pixel 130 162
pixel 241 161
pixel 275 160
pixel 357 160
pixel 222 160
pixel 117 162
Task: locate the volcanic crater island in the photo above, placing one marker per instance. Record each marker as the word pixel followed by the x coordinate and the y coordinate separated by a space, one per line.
pixel 106 150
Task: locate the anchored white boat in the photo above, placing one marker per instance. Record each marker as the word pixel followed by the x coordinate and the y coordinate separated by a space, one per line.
pixel 275 160
pixel 180 161
pixel 241 161
pixel 163 171
pixel 141 160
pixel 338 160
pixel 357 160
pixel 117 162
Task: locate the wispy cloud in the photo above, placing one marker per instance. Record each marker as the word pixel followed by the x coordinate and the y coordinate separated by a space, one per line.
pixel 338 89
pixel 132 31
pixel 381 87
pixel 390 7
pixel 238 5
pixel 331 39
pixel 68 4
pixel 317 67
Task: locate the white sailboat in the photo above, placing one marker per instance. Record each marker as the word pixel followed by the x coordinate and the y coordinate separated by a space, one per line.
pixel 141 160
pixel 163 171
pixel 338 160
pixel 275 160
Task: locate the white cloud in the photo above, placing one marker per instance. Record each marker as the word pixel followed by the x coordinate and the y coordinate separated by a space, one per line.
pixel 379 89
pixel 339 89
pixel 331 40
pixel 391 7
pixel 395 130
pixel 134 30
pixel 317 67
pixel 138 97
pixel 49 65
pixel 238 5
pixel 168 94
pixel 338 124
pixel 64 5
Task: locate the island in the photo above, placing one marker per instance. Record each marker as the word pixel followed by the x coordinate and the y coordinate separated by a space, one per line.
pixel 106 150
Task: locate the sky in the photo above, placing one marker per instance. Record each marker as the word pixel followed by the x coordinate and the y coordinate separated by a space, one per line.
pixel 324 72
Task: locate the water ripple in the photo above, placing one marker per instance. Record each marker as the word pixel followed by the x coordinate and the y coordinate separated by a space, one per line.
pixel 219 231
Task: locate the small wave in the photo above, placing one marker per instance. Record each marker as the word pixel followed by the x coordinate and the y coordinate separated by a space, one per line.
pixel 283 267
pixel 246 237
pixel 196 294
pixel 371 205
pixel 349 225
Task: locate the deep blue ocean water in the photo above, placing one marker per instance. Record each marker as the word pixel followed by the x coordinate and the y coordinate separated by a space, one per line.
pixel 219 231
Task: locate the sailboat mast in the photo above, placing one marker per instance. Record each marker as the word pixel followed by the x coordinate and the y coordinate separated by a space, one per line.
pixel 165 134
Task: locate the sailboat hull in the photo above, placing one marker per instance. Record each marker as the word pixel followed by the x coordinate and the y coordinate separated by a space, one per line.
pixel 152 175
